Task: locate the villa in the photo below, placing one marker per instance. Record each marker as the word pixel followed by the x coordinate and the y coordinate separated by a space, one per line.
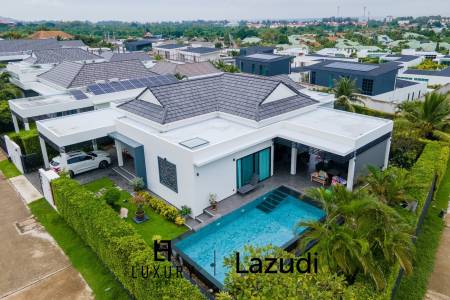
pixel 186 53
pixel 378 84
pixel 214 135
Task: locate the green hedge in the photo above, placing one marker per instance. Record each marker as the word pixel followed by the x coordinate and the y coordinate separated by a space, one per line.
pixel 28 141
pixel 117 243
pixel 433 160
pixel 371 112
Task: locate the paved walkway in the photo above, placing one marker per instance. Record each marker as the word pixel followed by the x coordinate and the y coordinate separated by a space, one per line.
pixel 439 284
pixel 32 265
pixel 25 189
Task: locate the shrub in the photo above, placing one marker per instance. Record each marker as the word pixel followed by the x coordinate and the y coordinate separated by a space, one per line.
pixel 161 207
pixel 111 196
pixel 137 184
pixel 185 211
pixel 117 243
pixel 28 141
pixel 179 220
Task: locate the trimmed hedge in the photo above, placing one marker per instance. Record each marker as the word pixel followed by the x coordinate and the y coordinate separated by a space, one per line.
pixel 372 112
pixel 433 160
pixel 28 141
pixel 117 244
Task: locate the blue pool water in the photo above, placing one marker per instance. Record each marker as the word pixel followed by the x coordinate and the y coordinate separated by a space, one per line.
pixel 258 223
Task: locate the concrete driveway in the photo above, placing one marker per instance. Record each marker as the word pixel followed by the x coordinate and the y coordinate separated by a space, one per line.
pixel 32 265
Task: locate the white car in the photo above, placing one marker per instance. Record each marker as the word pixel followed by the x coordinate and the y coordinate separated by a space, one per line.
pixel 79 161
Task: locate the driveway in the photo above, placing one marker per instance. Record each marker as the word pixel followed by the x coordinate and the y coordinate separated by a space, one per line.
pixel 32 265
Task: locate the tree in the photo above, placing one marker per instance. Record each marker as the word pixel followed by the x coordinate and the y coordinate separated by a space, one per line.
pixel 389 186
pixel 320 285
pixel 344 91
pixel 359 235
pixel 180 76
pixel 430 116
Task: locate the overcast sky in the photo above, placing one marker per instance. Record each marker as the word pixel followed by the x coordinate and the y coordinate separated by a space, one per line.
pixel 175 10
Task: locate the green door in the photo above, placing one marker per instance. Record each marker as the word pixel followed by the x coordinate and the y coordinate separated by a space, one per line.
pixel 256 163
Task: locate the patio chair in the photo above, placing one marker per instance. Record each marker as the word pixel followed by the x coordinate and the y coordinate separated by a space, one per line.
pixel 253 184
pixel 320 177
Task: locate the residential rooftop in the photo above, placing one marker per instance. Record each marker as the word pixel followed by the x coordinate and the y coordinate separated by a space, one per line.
pixel 403 58
pixel 355 67
pixel 142 56
pixel 443 73
pixel 200 50
pixel 251 97
pixel 74 74
pixel 59 55
pixel 188 69
pixel 30 45
pixel 264 57
pixel 170 46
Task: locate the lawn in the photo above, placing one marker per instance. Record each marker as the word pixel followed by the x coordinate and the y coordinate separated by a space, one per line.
pixel 415 286
pixel 9 169
pixel 96 274
pixel 156 225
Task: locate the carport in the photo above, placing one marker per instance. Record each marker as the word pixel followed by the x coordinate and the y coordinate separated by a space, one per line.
pixel 63 132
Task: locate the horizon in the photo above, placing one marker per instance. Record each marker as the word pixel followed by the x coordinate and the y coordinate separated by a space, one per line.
pixel 230 10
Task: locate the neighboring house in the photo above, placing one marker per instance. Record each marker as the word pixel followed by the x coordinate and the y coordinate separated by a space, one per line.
pixel 264 64
pixel 377 82
pixel 335 52
pixel 59 55
pixel 428 77
pixel 139 45
pixel 188 145
pixel 190 70
pixel 424 54
pixel 17 50
pixel 146 59
pixel 256 49
pixel 406 61
pixel 198 54
pixel 73 87
pixel 168 51
pixel 50 34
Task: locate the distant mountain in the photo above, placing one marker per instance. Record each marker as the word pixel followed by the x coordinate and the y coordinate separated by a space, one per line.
pixel 6 20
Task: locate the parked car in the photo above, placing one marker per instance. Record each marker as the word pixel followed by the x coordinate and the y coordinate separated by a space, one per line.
pixel 79 161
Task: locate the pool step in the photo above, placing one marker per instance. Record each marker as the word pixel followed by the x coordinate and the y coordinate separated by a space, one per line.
pixel 271 202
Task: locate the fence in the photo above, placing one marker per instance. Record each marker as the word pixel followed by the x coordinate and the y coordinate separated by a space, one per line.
pixel 423 213
pixel 14 153
pixel 46 177
pixel 24 163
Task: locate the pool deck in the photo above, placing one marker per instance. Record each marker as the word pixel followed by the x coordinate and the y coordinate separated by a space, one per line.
pixel 299 182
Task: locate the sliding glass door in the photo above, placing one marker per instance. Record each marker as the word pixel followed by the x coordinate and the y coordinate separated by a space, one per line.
pixel 257 163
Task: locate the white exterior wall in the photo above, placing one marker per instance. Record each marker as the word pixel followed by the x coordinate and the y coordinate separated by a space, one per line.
pixel 430 80
pixel 219 177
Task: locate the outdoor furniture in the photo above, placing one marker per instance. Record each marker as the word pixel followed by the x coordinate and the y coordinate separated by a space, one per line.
pixel 249 186
pixel 319 177
pixel 123 213
pixel 336 180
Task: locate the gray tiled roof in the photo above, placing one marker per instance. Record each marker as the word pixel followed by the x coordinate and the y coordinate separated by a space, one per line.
pixel 142 56
pixel 236 94
pixel 188 69
pixel 59 55
pixel 74 74
pixel 170 46
pixel 201 50
pixel 30 45
pixel 403 58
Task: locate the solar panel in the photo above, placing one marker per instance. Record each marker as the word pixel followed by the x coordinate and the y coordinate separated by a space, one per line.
pixel 127 85
pixel 78 95
pixel 353 67
pixel 136 83
pixel 117 86
pixel 106 87
pixel 95 89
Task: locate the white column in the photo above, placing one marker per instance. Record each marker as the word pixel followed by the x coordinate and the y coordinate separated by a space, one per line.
pixel 386 154
pixel 94 144
pixel 16 124
pixel 27 125
pixel 293 160
pixel 119 153
pixel 63 162
pixel 351 174
pixel 272 155
pixel 44 152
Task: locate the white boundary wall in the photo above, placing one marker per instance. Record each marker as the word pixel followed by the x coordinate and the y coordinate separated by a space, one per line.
pixel 14 153
pixel 46 177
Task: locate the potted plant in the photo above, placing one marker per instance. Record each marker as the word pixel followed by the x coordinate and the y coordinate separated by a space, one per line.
pixel 139 200
pixel 137 183
pixel 185 211
pixel 213 201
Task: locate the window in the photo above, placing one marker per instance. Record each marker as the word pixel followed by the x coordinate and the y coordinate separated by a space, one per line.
pixel 74 160
pixel 168 174
pixel 260 70
pixel 313 77
pixel 256 163
pixel 367 86
pixel 253 68
pixel 242 65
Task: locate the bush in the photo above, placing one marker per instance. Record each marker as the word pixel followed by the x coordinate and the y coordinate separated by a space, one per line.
pixel 161 207
pixel 185 211
pixel 28 141
pixel 111 196
pixel 372 112
pixel 117 244
pixel 137 184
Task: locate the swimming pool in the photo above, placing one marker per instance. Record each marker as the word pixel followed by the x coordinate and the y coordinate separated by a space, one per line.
pixel 269 219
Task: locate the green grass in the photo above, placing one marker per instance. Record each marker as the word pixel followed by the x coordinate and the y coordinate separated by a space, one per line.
pixel 96 274
pixel 415 286
pixel 9 169
pixel 156 225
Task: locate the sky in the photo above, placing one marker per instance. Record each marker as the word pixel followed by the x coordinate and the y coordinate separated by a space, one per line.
pixel 177 10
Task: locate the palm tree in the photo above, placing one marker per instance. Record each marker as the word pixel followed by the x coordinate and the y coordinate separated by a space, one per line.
pixel 344 91
pixel 180 76
pixel 389 186
pixel 430 116
pixel 359 235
